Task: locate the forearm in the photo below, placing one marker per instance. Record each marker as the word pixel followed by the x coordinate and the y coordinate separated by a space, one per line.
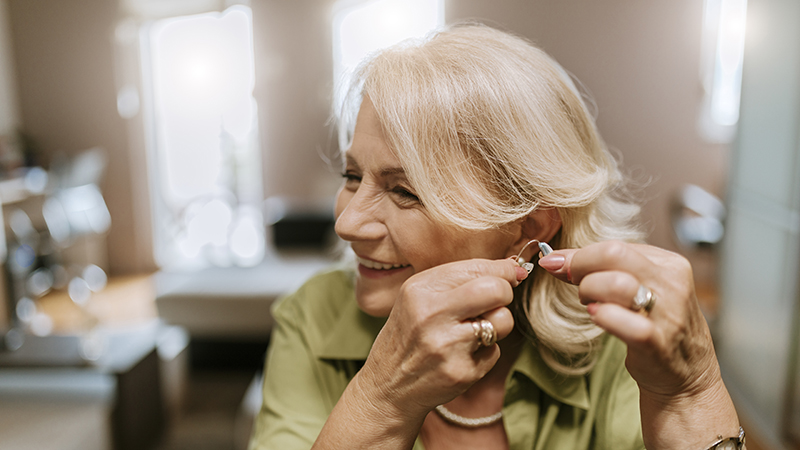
pixel 688 422
pixel 361 420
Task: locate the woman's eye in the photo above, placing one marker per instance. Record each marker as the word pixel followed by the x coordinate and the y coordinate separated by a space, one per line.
pixel 405 195
pixel 351 180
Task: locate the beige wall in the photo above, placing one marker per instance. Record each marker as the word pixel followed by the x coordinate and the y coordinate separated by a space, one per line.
pixel 640 61
pixel 65 72
pixel 294 72
pixel 9 114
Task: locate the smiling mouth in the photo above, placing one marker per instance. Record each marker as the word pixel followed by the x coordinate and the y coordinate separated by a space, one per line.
pixel 379 266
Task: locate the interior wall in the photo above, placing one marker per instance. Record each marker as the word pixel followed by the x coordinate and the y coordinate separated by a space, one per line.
pixel 9 114
pixel 294 82
pixel 64 58
pixel 641 63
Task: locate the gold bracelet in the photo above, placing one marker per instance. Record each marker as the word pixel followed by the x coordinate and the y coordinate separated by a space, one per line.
pixel 730 443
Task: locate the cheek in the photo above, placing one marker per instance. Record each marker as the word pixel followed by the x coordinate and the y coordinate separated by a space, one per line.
pixel 425 245
pixel 432 246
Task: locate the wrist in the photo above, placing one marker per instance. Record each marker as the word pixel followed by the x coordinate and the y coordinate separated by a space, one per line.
pixel 377 404
pixel 728 443
pixel 688 420
pixel 361 419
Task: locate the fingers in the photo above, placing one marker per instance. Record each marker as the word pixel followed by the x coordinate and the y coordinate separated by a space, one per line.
pixel 631 327
pixel 611 255
pixel 611 286
pixel 478 296
pixel 485 357
pixel 669 347
pixel 558 264
pixel 452 275
pixel 430 330
pixel 502 320
pixel 571 265
pixel 463 290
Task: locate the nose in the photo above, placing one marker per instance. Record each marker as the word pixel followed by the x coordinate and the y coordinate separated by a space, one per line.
pixel 358 216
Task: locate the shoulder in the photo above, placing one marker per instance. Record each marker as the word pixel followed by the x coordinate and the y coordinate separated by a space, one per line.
pixel 299 389
pixel 325 316
pixel 321 297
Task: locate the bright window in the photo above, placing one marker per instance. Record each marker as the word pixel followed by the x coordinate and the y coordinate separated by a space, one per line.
pixel 362 27
pixel 205 164
pixel 724 24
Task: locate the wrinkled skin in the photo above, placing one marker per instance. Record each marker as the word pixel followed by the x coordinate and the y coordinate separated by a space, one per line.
pixel 670 351
pixel 432 280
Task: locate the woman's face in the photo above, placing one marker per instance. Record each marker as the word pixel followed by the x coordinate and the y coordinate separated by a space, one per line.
pixel 390 232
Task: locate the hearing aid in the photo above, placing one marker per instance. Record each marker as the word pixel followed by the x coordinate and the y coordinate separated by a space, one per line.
pixel 544 250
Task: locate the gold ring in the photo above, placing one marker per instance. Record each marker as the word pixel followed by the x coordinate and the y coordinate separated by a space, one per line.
pixel 488 333
pixel 476 330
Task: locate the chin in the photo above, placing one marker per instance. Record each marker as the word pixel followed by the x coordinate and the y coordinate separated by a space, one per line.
pixel 375 302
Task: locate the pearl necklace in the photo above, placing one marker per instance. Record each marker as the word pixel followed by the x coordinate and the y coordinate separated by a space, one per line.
pixel 468 422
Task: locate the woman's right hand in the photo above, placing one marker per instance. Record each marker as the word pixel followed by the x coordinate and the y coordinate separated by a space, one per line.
pixel 427 353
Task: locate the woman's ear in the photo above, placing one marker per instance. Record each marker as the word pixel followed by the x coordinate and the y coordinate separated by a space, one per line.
pixel 541 225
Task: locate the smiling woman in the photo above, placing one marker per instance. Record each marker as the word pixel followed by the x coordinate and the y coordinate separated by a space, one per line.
pixel 461 150
pixel 390 231
pixel 518 143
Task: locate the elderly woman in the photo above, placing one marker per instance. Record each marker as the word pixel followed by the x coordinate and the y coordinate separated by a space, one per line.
pixel 464 149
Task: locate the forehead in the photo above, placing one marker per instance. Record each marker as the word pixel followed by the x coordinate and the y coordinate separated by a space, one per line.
pixel 369 150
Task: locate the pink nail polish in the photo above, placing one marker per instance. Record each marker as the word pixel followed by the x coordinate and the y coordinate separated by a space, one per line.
pixel 521 273
pixel 552 262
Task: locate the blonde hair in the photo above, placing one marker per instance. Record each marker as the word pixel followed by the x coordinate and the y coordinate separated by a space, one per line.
pixel 488 129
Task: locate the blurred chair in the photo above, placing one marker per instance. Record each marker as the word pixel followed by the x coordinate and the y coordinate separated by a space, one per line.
pixel 55 226
pixel 75 212
pixel 247 413
pixel 697 217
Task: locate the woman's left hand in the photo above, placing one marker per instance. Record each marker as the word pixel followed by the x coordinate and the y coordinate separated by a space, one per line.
pixel 670 352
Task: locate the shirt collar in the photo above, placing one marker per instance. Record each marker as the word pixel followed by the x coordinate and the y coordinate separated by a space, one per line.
pixel 571 390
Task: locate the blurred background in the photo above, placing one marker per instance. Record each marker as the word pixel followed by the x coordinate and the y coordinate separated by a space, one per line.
pixel 165 174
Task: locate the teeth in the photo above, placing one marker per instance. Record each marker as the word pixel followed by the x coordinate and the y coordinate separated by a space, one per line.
pixel 380 266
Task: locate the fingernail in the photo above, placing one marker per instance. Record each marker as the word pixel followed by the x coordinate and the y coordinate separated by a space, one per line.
pixel 552 262
pixel 521 273
pixel 592 308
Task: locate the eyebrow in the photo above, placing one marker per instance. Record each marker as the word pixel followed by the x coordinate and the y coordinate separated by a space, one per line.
pixel 387 172
pixel 393 171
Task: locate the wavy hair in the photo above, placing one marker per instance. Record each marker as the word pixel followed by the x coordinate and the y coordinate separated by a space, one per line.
pixel 489 128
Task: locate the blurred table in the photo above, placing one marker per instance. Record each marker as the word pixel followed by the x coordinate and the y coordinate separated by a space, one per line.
pixel 125 301
pixel 121 357
pixel 232 303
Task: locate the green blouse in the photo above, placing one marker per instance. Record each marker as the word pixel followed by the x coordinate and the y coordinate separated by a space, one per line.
pixel 321 339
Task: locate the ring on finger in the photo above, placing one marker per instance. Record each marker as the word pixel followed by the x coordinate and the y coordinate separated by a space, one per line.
pixel 644 299
pixel 484 332
pixel 488 333
pixel 476 330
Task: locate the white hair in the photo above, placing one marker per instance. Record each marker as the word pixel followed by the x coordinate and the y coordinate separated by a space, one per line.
pixel 489 128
